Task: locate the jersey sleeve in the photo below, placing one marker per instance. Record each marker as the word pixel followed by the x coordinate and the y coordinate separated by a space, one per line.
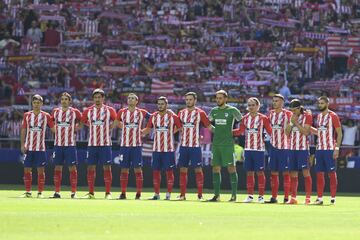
pixel 336 121
pixel 149 123
pixel 112 114
pixel 177 121
pixel 118 115
pixel 50 121
pixel 309 120
pixel 267 125
pixel 211 117
pixel 240 130
pixel 146 114
pixel 53 114
pixel 24 122
pixel 84 117
pixel 289 115
pixel 204 119
pixel 237 114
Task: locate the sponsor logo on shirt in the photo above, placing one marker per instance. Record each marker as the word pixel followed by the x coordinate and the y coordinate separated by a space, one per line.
pixel 63 124
pixel 35 129
pixel 98 122
pixel 131 125
pixel 220 121
pixel 189 125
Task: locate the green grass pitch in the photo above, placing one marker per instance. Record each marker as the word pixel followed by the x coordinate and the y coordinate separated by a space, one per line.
pixel 130 219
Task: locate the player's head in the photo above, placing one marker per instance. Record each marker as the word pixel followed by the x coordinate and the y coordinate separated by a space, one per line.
pixel 190 99
pixel 37 102
pixel 98 96
pixel 65 99
pixel 221 97
pixel 162 103
pixel 278 101
pixel 253 105
pixel 296 107
pixel 323 103
pixel 132 100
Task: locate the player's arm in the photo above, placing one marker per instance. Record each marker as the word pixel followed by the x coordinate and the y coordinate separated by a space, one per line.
pixel 237 114
pixel 23 135
pixel 339 135
pixel 306 128
pixel 145 131
pixel 267 125
pixel 50 123
pixel 239 131
pixel 211 127
pixel 177 122
pixel 313 131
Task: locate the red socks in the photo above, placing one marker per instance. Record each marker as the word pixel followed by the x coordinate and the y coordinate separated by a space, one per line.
pixel 183 183
pixel 274 185
pixel 27 181
pixel 320 182
pixel 107 180
pixel 333 183
pixel 156 181
pixel 261 184
pixel 170 180
pixel 308 186
pixel 41 182
pixel 91 174
pixel 73 180
pixel 200 182
pixel 250 182
pixel 124 178
pixel 57 180
pixel 139 181
pixel 286 185
pixel 294 186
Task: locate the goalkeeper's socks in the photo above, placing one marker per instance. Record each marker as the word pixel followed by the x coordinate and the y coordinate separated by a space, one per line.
pixel 216 183
pixel 234 183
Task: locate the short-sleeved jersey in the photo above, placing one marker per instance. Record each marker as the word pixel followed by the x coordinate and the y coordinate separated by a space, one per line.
pixel 164 127
pixel 35 126
pixel 132 122
pixel 99 122
pixel 279 122
pixel 299 141
pixel 65 125
pixel 223 120
pixel 191 119
pixel 326 125
pixel 253 127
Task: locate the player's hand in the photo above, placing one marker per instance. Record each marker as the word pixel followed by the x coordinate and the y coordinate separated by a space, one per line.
pixel 23 149
pixel 336 154
pixel 294 119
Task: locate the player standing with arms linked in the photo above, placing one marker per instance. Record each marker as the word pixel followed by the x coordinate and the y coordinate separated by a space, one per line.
pixel 223 117
pixel 33 144
pixel 165 124
pixel 99 118
pixel 329 137
pixel 190 151
pixel 66 120
pixel 131 120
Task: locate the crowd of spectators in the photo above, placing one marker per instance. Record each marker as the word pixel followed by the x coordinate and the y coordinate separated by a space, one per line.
pixel 299 48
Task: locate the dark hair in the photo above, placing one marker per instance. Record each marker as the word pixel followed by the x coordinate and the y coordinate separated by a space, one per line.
pixel 324 98
pixel 191 94
pixel 163 99
pixel 279 96
pixel 66 94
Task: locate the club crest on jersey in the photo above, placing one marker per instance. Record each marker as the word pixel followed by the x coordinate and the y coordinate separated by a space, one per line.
pixel 226 115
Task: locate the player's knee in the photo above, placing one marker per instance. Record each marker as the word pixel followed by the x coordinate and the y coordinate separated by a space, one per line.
pixel 138 170
pixel 183 170
pixel 124 170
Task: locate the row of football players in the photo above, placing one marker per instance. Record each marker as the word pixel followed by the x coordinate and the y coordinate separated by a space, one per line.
pixel 288 131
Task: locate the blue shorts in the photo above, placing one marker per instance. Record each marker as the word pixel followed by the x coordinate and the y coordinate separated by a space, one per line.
pixel 324 161
pixel 35 158
pixel 99 155
pixel 163 160
pixel 298 160
pixel 254 161
pixel 130 156
pixel 279 159
pixel 190 155
pixel 65 155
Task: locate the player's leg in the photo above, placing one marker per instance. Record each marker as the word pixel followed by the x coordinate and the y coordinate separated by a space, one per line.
pixel 40 164
pixel 196 162
pixel 184 160
pixel 28 163
pixel 156 166
pixel 71 161
pixel 293 167
pixel 106 160
pixel 250 180
pixel 92 160
pixel 284 168
pixel 199 182
pixel 58 158
pixel 331 169
pixel 304 165
pixel 168 159
pixel 259 166
pixel 274 180
pixel 320 168
pixel 229 161
pixel 136 160
pixel 216 163
pixel 73 180
pixel 124 173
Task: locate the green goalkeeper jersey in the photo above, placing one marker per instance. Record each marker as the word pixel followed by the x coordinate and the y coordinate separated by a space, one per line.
pixel 223 120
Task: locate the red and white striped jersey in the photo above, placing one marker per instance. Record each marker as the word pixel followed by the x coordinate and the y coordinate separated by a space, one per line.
pixel 190 136
pixel 279 122
pixel 35 126
pixel 326 124
pixel 99 122
pixel 65 123
pixel 164 126
pixel 132 123
pixel 253 127
pixel 299 141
